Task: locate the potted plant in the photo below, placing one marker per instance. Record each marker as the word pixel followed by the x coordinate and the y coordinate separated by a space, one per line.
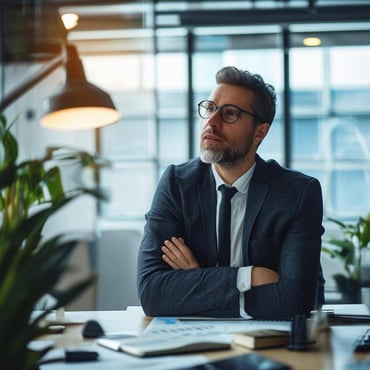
pixel 30 192
pixel 350 250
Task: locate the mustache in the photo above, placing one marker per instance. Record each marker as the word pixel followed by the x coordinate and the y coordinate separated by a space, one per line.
pixel 212 132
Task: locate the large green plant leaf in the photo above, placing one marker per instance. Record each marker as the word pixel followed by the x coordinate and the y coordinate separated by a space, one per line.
pixel 23 291
pixel 30 193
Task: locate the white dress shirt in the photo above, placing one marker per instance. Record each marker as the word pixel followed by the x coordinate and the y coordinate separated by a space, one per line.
pixel 238 206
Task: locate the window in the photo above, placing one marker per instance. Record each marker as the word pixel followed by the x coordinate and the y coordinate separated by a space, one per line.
pixel 330 124
pixel 330 113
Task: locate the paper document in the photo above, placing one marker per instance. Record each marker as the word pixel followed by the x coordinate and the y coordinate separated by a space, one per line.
pixel 171 325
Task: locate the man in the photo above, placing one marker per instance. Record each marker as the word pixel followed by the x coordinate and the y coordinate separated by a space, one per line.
pixel 272 267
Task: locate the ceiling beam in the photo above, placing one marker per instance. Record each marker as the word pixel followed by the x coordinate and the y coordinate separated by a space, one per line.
pixel 283 16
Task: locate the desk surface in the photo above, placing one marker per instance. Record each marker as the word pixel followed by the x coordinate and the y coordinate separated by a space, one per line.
pixel 332 350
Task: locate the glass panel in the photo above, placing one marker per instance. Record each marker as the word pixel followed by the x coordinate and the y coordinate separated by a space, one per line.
pixel 307 81
pixel 305 101
pixel 174 140
pixel 134 72
pixel 171 43
pixel 347 140
pixel 330 124
pixel 129 139
pixel 131 143
pixel 172 103
pixel 350 193
pixel 171 72
pixel 130 187
pixel 351 100
pixel 348 67
pixel 172 108
pixel 307 128
pixel 137 103
pixel 205 67
pixel 350 86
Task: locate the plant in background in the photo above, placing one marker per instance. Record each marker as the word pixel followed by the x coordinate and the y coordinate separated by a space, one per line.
pixel 349 250
pixel 30 192
pixel 356 238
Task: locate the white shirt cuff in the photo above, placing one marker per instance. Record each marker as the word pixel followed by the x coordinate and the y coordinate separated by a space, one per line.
pixel 243 283
pixel 243 279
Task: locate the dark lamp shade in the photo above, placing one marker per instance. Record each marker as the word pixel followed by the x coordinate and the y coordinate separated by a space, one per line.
pixel 79 105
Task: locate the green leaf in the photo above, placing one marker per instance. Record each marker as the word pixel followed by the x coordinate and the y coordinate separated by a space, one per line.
pixel 7 175
pixel 53 181
pixel 10 146
pixel 29 265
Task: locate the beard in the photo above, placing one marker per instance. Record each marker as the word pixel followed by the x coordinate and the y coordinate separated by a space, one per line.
pixel 226 156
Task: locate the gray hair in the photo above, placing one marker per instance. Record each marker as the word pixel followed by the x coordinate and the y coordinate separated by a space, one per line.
pixel 264 101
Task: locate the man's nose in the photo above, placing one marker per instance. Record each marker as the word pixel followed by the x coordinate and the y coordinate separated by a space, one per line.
pixel 215 118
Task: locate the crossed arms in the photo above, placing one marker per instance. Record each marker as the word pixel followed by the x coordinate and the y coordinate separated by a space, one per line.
pixel 177 255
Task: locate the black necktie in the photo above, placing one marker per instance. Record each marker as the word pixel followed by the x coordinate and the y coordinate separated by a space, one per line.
pixel 224 217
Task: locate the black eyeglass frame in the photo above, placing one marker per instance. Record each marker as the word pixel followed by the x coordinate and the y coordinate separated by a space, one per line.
pixel 221 109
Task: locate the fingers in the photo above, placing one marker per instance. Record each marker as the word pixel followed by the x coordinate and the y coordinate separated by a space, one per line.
pixel 170 262
pixel 172 255
pixel 182 249
pixel 178 255
pixel 176 249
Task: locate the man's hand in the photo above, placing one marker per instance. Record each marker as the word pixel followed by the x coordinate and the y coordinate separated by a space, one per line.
pixel 178 255
pixel 263 275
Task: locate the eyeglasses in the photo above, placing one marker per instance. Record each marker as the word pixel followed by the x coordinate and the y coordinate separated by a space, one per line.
pixel 229 112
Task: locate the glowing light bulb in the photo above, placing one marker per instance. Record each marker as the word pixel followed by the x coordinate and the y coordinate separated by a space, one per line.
pixel 311 41
pixel 70 20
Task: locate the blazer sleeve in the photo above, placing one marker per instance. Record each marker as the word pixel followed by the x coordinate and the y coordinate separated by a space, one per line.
pixel 207 291
pixel 300 288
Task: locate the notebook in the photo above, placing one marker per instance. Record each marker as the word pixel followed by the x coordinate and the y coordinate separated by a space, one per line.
pixel 152 345
pixel 352 313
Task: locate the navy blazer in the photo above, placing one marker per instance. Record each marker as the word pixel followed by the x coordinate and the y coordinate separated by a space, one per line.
pixel 282 231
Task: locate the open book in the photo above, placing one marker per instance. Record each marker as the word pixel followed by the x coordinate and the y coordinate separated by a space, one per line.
pixel 150 345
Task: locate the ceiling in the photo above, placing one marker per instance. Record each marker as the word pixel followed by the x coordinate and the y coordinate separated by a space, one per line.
pixel 117 15
pixel 33 28
pixel 32 33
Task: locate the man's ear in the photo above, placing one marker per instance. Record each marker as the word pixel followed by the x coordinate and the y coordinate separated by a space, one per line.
pixel 261 131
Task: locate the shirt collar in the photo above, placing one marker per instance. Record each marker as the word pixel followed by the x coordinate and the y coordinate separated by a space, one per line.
pixel 241 184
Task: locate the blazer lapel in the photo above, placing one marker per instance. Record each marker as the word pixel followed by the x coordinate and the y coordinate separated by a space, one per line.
pixel 258 189
pixel 207 198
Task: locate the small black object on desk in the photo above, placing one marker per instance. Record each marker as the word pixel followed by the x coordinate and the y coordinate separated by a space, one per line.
pixel 92 329
pixel 298 334
pixel 73 356
pixel 80 356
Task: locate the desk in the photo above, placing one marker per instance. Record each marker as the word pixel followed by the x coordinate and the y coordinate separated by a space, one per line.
pixel 333 349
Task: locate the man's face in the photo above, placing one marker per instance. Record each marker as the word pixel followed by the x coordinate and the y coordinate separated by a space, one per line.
pixel 228 143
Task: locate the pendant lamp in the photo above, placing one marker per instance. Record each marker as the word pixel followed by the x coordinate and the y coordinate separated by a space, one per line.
pixel 79 104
